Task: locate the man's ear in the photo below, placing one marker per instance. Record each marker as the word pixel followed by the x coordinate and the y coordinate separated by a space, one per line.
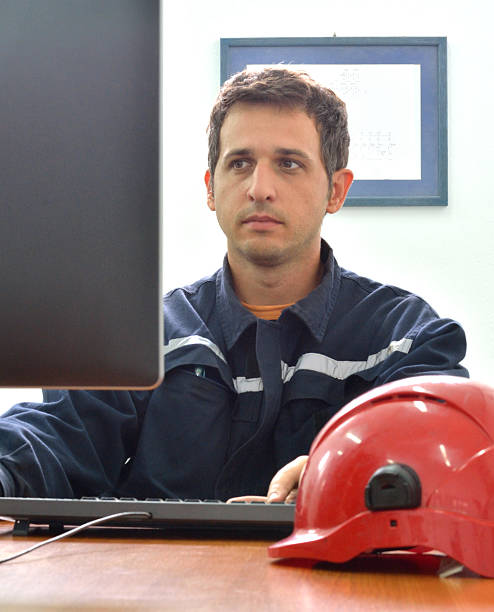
pixel 208 179
pixel 341 181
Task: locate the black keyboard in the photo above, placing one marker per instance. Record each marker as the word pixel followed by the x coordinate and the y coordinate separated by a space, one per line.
pixel 155 513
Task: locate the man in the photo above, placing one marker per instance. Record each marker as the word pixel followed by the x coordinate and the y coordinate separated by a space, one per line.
pixel 261 354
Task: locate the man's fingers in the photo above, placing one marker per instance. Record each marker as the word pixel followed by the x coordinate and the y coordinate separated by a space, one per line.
pixel 247 498
pixel 286 480
pixel 283 486
pixel 292 496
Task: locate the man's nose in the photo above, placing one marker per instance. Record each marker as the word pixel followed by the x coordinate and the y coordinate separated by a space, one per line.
pixel 262 184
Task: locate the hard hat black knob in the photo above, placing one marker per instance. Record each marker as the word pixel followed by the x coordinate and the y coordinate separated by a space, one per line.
pixel 392 486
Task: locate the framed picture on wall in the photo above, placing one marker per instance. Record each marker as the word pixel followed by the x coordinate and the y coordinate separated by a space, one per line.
pixel 396 97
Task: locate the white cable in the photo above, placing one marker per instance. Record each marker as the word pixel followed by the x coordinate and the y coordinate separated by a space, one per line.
pixel 98 521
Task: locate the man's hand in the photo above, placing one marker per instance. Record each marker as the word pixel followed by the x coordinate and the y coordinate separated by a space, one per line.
pixel 283 486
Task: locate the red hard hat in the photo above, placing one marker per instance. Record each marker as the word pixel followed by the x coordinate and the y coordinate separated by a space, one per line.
pixel 410 464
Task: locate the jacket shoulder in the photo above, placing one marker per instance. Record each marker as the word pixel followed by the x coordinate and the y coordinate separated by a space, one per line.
pixel 188 310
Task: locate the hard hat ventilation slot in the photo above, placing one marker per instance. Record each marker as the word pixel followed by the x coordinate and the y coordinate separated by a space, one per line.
pixel 411 396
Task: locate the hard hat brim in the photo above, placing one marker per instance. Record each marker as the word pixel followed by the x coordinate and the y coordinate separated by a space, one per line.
pixel 403 529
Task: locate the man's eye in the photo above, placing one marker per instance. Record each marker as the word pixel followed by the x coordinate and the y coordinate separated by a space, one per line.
pixel 289 164
pixel 239 164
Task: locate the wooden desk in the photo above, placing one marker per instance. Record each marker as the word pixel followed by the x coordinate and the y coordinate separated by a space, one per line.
pixel 144 570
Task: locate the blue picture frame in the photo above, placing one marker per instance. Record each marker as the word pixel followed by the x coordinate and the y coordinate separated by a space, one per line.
pixel 429 52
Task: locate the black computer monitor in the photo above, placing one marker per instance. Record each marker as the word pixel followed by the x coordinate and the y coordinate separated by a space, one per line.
pixel 80 222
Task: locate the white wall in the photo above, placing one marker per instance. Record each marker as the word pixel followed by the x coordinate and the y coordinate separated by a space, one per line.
pixel 444 254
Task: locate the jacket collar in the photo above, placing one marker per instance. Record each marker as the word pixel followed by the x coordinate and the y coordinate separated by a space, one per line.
pixel 314 310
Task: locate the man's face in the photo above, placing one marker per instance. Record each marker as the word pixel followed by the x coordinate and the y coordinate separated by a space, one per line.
pixel 271 190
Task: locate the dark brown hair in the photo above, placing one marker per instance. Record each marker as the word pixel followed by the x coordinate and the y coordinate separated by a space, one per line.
pixel 291 89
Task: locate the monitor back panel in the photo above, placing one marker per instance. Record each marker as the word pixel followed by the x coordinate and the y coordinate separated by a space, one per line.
pixel 80 194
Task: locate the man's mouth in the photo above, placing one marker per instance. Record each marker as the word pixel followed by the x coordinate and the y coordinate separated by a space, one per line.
pixel 261 222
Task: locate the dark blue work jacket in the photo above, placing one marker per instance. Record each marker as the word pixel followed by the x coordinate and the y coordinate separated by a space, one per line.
pixel 241 396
